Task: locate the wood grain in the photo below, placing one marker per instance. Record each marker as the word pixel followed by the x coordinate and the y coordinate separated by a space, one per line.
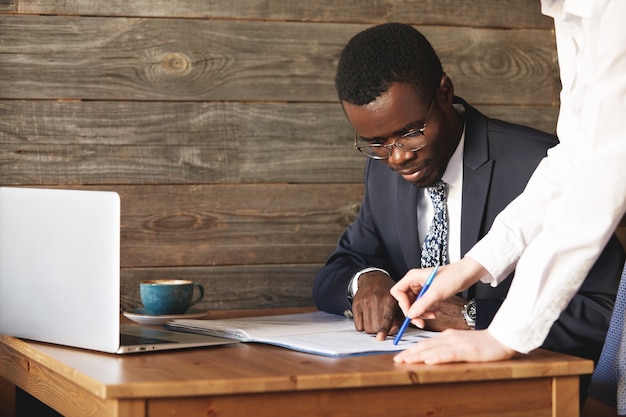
pixel 49 142
pixel 46 142
pixel 7 398
pixel 153 164
pixel 256 368
pixel 40 380
pixel 200 225
pixel 504 401
pixel 8 6
pixel 224 225
pixel 231 287
pixel 485 13
pixel 311 126
pixel 221 125
pixel 565 398
pixel 180 59
pixel 541 118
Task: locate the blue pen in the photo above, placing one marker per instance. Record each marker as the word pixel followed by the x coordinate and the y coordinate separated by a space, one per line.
pixel 407 320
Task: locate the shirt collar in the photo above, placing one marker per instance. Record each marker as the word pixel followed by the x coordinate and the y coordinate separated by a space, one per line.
pixel 453 176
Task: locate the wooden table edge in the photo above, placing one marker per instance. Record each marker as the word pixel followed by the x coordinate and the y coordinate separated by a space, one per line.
pixel 537 364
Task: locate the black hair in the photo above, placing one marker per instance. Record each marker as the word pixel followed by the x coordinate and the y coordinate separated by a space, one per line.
pixel 381 55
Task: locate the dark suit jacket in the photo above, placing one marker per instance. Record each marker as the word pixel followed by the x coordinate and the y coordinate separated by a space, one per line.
pixel 498 160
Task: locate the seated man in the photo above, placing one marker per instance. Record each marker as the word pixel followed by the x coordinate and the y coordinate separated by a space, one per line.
pixel 416 133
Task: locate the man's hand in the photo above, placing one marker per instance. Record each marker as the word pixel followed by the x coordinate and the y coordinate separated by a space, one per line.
pixel 375 311
pixel 449 316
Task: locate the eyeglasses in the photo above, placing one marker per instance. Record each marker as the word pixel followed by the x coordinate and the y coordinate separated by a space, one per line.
pixel 411 141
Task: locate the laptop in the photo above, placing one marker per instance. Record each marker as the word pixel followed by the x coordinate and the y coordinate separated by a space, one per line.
pixel 60 273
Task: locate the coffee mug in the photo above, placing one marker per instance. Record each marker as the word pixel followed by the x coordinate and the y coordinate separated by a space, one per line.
pixel 169 296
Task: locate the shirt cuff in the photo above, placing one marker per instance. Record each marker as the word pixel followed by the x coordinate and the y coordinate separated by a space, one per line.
pixel 499 263
pixel 353 285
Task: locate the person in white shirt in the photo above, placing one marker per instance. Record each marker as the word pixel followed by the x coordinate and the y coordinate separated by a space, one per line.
pixel 554 231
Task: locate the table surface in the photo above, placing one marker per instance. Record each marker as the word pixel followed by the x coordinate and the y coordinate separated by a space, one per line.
pixel 248 368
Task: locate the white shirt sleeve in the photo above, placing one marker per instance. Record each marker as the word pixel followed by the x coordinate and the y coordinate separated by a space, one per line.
pixel 555 230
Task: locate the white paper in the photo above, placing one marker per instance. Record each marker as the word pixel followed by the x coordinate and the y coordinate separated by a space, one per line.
pixel 317 332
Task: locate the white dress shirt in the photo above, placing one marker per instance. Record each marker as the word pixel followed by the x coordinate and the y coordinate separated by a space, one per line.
pixel 555 230
pixel 453 177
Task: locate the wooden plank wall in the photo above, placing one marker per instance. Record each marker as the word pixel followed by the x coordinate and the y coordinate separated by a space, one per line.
pixel 218 124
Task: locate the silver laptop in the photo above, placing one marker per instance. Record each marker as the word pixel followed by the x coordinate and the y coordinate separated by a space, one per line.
pixel 60 273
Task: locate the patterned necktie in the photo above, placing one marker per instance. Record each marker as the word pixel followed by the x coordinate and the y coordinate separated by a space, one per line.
pixel 435 248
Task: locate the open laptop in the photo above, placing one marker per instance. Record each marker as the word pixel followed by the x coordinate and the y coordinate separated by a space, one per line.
pixel 60 273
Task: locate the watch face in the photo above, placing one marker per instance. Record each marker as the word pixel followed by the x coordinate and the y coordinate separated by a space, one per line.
pixel 469 313
pixel 471 309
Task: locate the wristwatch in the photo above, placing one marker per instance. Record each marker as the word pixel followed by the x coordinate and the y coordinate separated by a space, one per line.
pixel 469 314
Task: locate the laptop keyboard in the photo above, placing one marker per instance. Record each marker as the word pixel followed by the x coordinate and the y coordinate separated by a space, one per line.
pixel 131 339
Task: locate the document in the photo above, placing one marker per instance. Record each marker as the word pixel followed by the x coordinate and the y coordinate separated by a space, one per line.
pixel 317 332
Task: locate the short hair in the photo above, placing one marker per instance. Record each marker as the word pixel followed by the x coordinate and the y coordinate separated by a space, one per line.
pixel 382 55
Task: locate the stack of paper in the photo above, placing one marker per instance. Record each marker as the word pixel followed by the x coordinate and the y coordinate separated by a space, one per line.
pixel 317 332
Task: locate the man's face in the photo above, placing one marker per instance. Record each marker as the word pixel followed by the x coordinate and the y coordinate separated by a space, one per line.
pixel 396 112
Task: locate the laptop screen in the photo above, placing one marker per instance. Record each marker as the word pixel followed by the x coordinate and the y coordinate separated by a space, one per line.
pixel 59 266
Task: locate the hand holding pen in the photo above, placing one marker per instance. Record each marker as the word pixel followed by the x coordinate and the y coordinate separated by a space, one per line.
pixel 452 279
pixel 407 320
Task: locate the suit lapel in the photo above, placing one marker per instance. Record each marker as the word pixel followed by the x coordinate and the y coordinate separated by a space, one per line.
pixel 406 221
pixel 477 169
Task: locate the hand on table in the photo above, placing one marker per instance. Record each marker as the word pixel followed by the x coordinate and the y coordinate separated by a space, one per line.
pixel 456 346
pixel 375 311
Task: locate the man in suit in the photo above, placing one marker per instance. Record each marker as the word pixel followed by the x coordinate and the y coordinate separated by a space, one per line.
pixel 417 133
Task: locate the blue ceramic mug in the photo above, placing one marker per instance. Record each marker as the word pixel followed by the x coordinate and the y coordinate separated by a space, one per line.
pixel 169 296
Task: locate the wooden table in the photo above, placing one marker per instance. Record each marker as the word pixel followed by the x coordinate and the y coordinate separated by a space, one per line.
pixel 258 380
